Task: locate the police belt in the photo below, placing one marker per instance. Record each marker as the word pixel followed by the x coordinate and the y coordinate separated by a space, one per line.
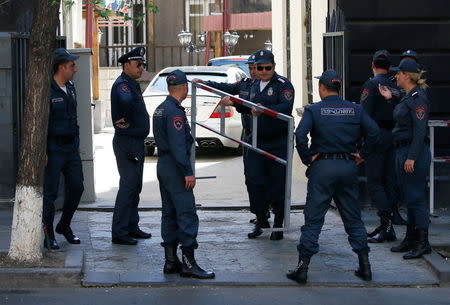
pixel 336 156
pixel 62 140
pixel 406 142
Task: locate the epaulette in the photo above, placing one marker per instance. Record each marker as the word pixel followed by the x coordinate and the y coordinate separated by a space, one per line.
pixel 415 95
pixel 281 80
pixel 70 83
pixel 246 79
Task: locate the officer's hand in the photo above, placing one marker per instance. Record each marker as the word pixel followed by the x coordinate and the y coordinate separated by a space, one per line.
pixel 255 111
pixel 190 182
pixel 122 124
pixel 409 166
pixel 385 92
pixel 197 80
pixel 358 158
pixel 314 157
pixel 46 160
pixel 226 101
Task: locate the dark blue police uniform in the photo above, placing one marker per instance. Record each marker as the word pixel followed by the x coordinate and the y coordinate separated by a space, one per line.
pixel 63 142
pixel 267 178
pixel 179 221
pixel 381 182
pixel 411 142
pixel 128 144
pixel 335 126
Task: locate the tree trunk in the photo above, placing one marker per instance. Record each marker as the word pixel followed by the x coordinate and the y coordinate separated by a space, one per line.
pixel 26 227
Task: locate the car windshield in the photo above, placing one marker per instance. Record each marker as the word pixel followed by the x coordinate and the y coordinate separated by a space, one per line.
pixel 161 84
pixel 237 63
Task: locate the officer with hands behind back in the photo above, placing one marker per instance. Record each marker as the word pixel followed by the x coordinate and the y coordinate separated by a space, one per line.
pixel 334 126
pixel 131 124
pixel 63 150
pixel 179 220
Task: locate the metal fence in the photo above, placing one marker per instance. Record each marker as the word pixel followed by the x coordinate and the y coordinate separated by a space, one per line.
pixel 334 55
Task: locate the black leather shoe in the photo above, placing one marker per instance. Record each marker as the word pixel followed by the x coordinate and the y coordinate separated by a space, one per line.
pixel 49 238
pixel 421 247
pixel 300 273
pixel 124 240
pixel 190 267
pixel 386 232
pixel 257 229
pixel 66 231
pixel 172 264
pixel 408 242
pixel 364 272
pixel 140 234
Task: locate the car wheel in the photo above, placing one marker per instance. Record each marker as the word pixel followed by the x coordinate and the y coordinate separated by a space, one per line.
pixel 149 150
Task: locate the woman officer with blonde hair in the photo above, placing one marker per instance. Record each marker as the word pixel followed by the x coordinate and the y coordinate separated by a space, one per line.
pixel 412 160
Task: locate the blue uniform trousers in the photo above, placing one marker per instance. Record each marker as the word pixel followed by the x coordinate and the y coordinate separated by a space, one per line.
pixel 266 179
pixel 329 179
pixel 179 220
pixel 380 171
pixel 69 163
pixel 412 185
pixel 125 216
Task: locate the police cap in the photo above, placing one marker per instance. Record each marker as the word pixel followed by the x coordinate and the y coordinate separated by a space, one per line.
pixel 264 57
pixel 251 58
pixel 135 54
pixel 61 55
pixel 176 77
pixel 331 79
pixel 407 65
pixel 410 54
pixel 382 55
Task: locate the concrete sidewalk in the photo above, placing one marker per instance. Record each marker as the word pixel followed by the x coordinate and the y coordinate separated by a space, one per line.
pixel 237 260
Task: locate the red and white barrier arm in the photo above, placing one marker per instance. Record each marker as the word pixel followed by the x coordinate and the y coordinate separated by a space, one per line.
pixel 246 103
pixel 260 151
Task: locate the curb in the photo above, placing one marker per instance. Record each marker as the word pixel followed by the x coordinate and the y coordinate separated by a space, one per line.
pixel 440 266
pixel 70 275
pixel 141 279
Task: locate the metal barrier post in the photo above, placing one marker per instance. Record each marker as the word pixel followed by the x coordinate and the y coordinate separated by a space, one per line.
pixel 287 191
pixel 255 131
pixel 432 170
pixel 193 119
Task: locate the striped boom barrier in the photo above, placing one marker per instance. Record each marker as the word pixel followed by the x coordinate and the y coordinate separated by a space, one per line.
pixel 253 146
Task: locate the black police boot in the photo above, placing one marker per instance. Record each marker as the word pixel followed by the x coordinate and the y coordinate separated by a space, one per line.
pixel 364 271
pixel 422 245
pixel 397 218
pixel 278 223
pixel 300 273
pixel 261 223
pixel 408 242
pixel 172 264
pixel 66 231
pixel 190 267
pixel 50 240
pixel 387 232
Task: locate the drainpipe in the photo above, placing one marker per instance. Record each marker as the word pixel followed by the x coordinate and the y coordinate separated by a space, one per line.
pixel 89 23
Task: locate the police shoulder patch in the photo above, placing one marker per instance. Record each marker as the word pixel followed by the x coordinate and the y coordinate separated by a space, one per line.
pixel 288 94
pixel 125 88
pixel 420 112
pixel 364 94
pixel 178 122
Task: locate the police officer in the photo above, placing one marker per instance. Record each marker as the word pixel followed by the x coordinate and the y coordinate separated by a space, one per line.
pixel 410 54
pixel 179 221
pixel 381 183
pixel 266 177
pixel 63 150
pixel 131 124
pixel 413 156
pixel 242 88
pixel 334 126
